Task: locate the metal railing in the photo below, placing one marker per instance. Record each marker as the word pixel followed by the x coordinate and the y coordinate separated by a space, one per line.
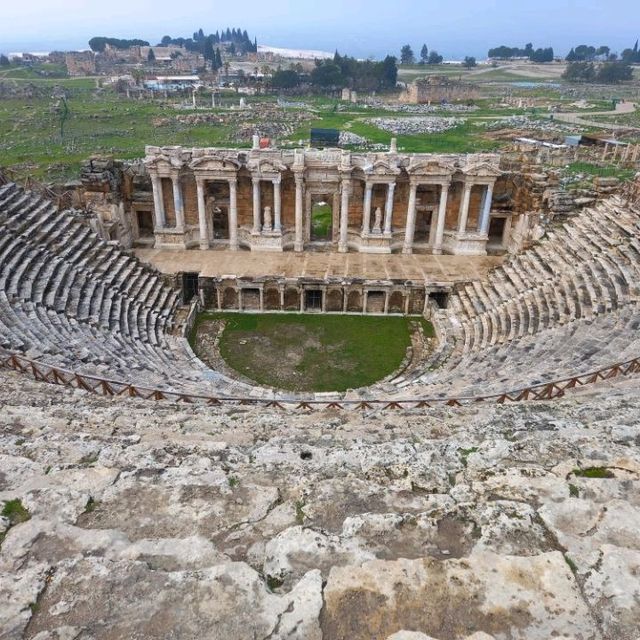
pixel 62 199
pixel 112 388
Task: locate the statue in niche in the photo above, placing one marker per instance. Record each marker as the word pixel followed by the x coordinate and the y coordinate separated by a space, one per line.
pixel 268 223
pixel 377 221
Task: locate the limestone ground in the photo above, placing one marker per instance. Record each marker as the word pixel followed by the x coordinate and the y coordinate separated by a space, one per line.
pixel 309 352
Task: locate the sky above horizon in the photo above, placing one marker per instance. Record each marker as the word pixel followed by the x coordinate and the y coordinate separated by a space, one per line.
pixel 361 28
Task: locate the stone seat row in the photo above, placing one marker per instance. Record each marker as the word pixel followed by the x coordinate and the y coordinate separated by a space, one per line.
pixel 78 302
pixel 56 260
pixel 582 269
pixel 43 332
pixel 563 351
pixel 566 306
pixel 72 300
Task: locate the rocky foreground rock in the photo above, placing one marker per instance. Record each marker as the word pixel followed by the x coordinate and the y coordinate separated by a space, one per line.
pixel 131 519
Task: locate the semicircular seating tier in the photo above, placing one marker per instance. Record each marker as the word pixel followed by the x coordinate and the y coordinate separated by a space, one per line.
pixel 566 306
pixel 70 299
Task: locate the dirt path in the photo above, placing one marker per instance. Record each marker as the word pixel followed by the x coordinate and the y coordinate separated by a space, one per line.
pixel 621 109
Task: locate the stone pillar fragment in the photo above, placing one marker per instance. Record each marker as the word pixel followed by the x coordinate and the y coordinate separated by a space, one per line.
pixel 233 215
pixel 344 216
pixel 277 206
pixel 178 202
pixel 366 212
pixel 410 226
pixel 256 206
pixel 485 214
pixel 388 211
pixel 158 203
pixel 463 215
pixel 202 215
pixel 299 242
pixel 442 215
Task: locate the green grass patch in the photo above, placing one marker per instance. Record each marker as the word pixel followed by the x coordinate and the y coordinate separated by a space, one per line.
pixel 594 472
pixel 30 140
pixel 307 352
pixel 15 512
pixel 602 172
pixel 321 221
pixel 465 453
pixel 571 564
pixel 91 505
pixel 300 515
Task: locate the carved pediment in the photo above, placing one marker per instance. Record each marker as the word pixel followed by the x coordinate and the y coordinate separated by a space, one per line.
pixel 266 167
pixel 381 168
pixel 482 170
pixel 430 168
pixel 163 163
pixel 215 164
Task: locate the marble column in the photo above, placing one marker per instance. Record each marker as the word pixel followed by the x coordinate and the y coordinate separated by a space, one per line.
pixel 366 212
pixel 277 206
pixel 158 203
pixel 506 234
pixel 299 242
pixel 388 210
pixel 344 216
pixel 442 216
pixel 256 206
pixel 178 202
pixel 485 214
pixel 202 215
pixel 463 215
pixel 233 214
pixel 410 226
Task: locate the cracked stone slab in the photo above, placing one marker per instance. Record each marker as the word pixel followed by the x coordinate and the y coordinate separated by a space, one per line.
pixel 521 598
pixel 111 600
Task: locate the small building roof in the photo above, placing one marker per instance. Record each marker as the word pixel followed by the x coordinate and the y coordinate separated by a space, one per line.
pixel 178 78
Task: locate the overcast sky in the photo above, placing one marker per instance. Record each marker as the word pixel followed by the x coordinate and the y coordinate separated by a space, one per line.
pixel 358 27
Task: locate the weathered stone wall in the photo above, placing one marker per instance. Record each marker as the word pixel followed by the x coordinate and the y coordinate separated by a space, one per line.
pixel 81 63
pixel 439 89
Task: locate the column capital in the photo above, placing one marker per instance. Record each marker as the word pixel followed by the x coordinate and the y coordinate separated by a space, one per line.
pixel 277 180
pixel 256 180
pixel 233 181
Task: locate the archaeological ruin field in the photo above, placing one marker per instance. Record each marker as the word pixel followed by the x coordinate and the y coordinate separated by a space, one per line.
pixel 317 365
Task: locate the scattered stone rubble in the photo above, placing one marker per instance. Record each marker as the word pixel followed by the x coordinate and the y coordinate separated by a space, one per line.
pixel 348 138
pixel 414 125
pixel 153 520
pixel 422 108
pixel 529 124
pixel 265 119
